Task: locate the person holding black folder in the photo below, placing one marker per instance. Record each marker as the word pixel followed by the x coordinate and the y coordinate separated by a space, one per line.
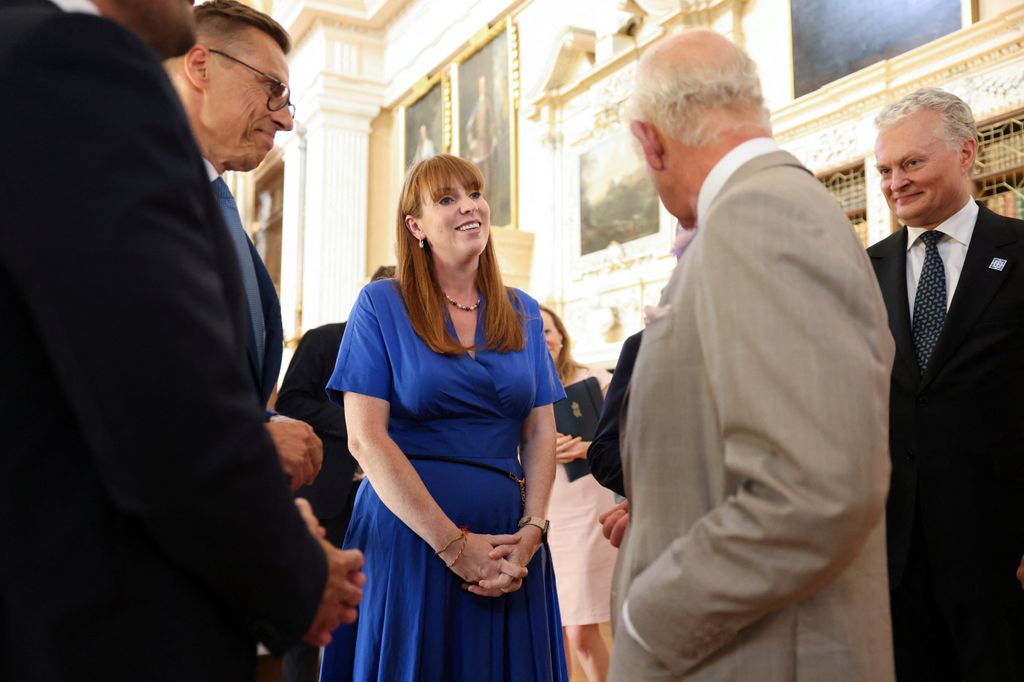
pixel 582 558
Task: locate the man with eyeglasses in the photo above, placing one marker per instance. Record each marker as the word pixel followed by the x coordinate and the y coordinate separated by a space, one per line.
pixel 233 85
pixel 147 528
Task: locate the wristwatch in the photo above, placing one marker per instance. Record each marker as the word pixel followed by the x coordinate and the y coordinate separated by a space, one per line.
pixel 538 522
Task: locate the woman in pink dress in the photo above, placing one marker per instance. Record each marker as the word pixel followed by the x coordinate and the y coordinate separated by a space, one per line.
pixel 583 560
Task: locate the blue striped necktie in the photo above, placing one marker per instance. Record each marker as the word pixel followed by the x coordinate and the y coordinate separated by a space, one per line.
pixel 240 239
pixel 930 300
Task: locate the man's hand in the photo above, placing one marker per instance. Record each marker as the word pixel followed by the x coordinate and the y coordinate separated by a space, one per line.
pixel 342 593
pixel 299 449
pixel 614 522
pixel 343 590
pixel 1020 572
pixel 312 523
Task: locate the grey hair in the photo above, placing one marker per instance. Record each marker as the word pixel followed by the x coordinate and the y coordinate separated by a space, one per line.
pixel 698 101
pixel 958 124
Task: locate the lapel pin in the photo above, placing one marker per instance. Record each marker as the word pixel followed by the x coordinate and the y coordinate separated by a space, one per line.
pixel 997 264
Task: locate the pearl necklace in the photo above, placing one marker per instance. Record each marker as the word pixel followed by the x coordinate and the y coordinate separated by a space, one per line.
pixel 467 308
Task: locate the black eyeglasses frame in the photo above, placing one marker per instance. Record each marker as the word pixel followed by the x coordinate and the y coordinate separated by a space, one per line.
pixel 285 90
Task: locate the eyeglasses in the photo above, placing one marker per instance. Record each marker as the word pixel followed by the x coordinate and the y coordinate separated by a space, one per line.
pixel 280 94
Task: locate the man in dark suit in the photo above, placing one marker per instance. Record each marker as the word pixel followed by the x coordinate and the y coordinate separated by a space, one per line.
pixel 603 455
pixel 953 283
pixel 303 395
pixel 139 455
pixel 234 85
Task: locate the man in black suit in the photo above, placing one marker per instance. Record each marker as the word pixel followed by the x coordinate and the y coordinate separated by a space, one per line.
pixel 603 455
pixel 129 483
pixel 953 282
pixel 233 84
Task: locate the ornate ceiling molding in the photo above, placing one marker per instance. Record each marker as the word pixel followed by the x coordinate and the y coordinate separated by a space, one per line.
pixel 299 16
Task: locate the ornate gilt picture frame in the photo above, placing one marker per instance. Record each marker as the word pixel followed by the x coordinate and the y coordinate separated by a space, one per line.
pixel 484 103
pixel 426 130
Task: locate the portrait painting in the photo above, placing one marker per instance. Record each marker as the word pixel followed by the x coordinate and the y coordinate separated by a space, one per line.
pixel 485 123
pixel 618 203
pixel 424 127
pixel 832 39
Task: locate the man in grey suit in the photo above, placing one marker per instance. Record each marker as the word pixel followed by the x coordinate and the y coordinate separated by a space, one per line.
pixel 755 452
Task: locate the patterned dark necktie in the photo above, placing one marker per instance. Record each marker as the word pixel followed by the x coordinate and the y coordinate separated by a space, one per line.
pixel 930 300
pixel 240 240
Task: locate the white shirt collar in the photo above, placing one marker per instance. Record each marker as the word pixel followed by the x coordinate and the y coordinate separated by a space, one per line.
pixel 727 166
pixel 84 6
pixel 210 170
pixel 959 226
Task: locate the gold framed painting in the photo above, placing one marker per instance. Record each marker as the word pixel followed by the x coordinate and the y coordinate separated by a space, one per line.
pixel 424 122
pixel 618 202
pixel 484 104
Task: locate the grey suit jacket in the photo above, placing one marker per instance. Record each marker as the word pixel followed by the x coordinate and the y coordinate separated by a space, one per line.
pixel 755 449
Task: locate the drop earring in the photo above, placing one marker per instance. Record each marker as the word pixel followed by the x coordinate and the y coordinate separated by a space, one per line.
pixel 421 243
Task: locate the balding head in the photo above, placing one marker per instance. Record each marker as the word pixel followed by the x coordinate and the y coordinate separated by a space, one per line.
pixel 696 85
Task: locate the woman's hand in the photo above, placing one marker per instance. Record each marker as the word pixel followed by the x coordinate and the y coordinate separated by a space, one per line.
pixel 569 448
pixel 514 551
pixel 482 574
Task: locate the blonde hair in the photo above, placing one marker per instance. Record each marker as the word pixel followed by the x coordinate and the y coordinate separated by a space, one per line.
pixel 424 301
pixel 564 363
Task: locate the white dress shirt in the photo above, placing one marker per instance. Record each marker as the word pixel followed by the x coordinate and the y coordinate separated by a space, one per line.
pixel 712 186
pixel 211 172
pixel 84 6
pixel 957 230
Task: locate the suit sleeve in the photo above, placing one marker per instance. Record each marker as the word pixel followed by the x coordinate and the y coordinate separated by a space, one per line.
pixel 603 454
pixel 110 243
pixel 303 393
pixel 798 355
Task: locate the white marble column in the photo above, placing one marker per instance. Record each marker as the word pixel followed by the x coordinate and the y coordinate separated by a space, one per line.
pixel 335 75
pixel 293 150
pixel 334 253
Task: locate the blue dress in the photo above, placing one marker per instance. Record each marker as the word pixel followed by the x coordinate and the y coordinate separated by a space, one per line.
pixel 415 621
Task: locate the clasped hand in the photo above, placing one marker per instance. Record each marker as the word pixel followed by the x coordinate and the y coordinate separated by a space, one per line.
pixel 569 448
pixel 493 565
pixel 344 588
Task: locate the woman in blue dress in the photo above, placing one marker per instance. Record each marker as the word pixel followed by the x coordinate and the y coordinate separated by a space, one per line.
pixel 447 387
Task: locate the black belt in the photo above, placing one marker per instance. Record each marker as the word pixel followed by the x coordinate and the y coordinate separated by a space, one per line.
pixel 521 482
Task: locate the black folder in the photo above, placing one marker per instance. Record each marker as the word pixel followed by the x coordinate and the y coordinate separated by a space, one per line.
pixel 577 415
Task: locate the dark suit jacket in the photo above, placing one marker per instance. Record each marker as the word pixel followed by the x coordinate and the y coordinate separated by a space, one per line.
pixel 603 454
pixel 957 432
pixel 265 377
pixel 146 525
pixel 303 396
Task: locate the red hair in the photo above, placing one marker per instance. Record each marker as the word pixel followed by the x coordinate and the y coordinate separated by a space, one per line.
pixel 424 301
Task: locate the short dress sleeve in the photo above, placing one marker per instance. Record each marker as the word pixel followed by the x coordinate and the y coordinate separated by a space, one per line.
pixel 363 365
pixel 549 388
